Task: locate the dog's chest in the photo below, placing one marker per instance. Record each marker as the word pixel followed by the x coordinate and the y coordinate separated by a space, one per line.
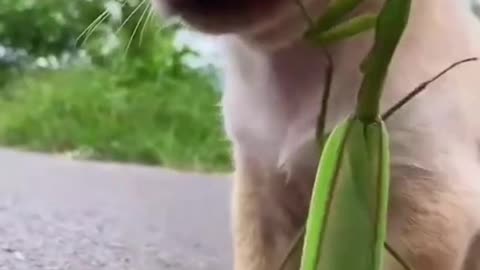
pixel 271 107
pixel 269 125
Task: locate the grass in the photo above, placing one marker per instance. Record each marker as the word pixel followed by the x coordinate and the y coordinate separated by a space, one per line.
pixel 96 115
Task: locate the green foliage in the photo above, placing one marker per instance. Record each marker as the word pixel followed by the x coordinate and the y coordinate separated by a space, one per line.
pixel 45 27
pixel 110 85
pixel 171 122
pixel 52 27
pixel 101 29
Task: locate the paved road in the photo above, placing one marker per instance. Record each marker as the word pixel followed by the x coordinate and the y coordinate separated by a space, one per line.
pixel 57 214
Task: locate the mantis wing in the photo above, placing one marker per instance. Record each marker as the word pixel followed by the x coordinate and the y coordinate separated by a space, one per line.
pixel 346 225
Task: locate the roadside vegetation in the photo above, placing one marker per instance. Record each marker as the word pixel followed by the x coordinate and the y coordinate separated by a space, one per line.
pixel 120 91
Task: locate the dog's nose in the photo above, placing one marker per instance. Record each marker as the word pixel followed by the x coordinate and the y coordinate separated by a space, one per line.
pixel 204 7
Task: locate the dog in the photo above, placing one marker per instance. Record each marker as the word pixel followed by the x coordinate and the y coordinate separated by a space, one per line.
pixel 272 90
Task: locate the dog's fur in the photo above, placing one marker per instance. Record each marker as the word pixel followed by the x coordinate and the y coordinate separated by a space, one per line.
pixel 272 93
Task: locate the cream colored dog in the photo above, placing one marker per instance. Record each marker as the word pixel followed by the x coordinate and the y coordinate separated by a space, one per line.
pixel 271 101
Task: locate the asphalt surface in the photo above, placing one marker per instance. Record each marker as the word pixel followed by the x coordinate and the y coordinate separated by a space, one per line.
pixel 58 214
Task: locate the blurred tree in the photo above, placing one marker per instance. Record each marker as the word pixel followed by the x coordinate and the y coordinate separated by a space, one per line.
pixel 106 32
pixel 45 27
pixel 104 77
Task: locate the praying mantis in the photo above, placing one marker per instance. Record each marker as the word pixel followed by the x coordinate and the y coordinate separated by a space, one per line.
pixel 347 219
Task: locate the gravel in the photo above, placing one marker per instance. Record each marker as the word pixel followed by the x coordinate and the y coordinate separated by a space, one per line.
pixel 58 214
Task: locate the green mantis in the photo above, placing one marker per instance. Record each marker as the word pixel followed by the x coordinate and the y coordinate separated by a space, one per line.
pixel 346 226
